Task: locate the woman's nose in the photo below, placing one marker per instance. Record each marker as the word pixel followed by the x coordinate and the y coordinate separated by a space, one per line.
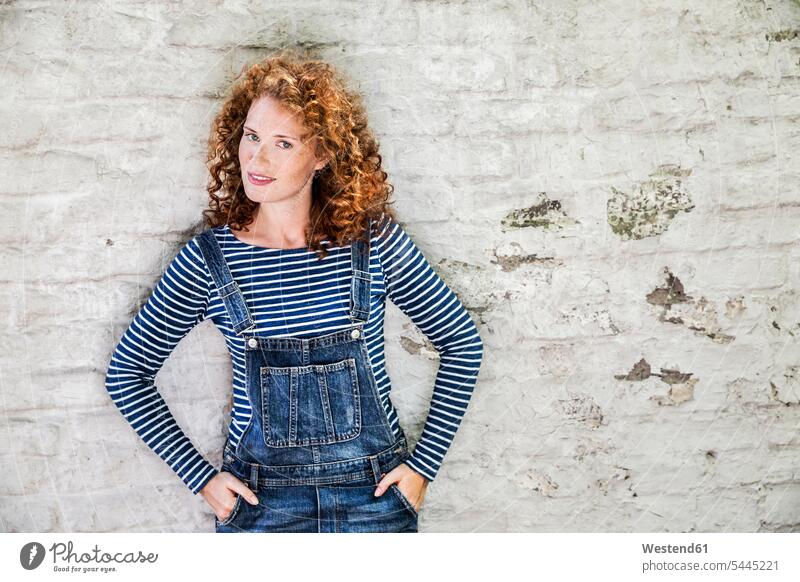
pixel 260 155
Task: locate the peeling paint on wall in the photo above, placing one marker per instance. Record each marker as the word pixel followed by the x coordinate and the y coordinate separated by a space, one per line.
pixel 462 266
pixel 414 347
pixel 699 315
pixel 582 408
pixel 670 294
pixel 681 384
pixel 678 391
pixel 786 388
pixel 620 475
pixel 469 281
pixel 650 207
pixel 785 314
pixel 640 371
pixel 535 481
pixel 544 213
pixel 513 261
pixel 734 307
pixel 782 35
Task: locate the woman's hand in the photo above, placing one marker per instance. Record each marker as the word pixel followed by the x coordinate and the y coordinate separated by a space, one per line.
pixel 220 493
pixel 410 483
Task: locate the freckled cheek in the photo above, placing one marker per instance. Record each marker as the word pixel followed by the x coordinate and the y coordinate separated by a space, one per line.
pixel 244 155
pixel 288 168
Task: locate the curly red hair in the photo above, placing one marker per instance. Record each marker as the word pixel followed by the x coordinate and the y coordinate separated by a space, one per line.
pixel 350 190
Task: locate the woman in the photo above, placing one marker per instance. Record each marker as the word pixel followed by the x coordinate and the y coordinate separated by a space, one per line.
pixel 301 252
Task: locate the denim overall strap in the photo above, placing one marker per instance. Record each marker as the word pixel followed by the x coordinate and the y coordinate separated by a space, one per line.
pixel 227 288
pixel 362 278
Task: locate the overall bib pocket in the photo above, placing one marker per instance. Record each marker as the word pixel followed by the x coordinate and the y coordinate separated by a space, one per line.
pixel 317 404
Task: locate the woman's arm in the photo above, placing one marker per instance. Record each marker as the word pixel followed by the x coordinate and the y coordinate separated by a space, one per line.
pixel 178 303
pixel 434 308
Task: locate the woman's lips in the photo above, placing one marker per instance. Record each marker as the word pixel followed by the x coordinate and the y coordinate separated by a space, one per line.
pixel 259 180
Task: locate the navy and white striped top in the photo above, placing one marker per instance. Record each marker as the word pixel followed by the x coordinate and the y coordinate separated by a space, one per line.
pixel 290 292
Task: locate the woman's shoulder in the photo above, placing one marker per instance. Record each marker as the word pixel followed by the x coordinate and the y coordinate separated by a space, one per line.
pixel 218 231
pixel 388 231
pixel 221 233
pixel 194 249
pixel 382 226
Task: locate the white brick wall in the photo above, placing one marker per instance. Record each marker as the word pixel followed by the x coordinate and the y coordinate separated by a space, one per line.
pixel 517 135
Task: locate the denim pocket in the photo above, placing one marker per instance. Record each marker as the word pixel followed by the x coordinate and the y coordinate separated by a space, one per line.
pixel 317 404
pixel 236 505
pixel 408 505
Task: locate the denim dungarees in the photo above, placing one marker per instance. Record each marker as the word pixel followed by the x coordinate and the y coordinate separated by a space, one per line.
pixel 319 439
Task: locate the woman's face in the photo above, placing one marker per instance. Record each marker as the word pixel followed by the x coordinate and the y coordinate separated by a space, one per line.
pixel 271 147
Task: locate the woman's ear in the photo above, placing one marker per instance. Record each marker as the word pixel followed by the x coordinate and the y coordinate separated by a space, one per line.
pixel 321 164
pixel 321 156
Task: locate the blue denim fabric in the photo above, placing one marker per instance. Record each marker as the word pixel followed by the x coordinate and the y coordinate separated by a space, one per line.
pixel 319 439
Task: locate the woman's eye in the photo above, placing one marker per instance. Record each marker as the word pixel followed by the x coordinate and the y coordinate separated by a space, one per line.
pixel 286 142
pixel 251 134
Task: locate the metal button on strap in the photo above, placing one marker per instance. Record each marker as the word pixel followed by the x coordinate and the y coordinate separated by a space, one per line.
pixel 355 334
pixel 252 342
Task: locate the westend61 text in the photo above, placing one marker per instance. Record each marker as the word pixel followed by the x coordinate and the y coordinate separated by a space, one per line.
pixel 65 554
pixel 672 549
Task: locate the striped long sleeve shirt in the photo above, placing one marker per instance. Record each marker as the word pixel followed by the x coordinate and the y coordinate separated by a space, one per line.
pixel 290 292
